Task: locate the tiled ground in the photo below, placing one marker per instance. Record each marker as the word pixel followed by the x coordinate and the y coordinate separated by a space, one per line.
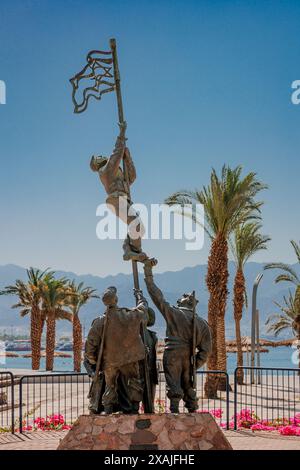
pixel 240 440
pixel 31 441
pixel 260 440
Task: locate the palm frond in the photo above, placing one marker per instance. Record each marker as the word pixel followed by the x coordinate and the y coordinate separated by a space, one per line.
pixel 279 322
pixel 246 241
pixel 296 247
pixel 291 275
pixel 228 201
pixel 288 273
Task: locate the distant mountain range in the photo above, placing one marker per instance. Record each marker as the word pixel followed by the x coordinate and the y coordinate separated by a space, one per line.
pixel 173 284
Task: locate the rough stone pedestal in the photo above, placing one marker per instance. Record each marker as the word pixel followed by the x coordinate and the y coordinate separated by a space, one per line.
pixel 195 431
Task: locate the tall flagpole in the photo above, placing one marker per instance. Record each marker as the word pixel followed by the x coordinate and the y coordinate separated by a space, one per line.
pixel 113 47
pixel 98 69
pixel 148 395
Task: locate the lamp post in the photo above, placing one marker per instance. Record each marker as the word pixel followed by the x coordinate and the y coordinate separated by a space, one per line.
pixel 257 345
pixel 253 322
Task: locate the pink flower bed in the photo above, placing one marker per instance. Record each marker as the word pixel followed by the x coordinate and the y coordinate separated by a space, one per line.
pixel 216 413
pixel 247 419
pixel 50 423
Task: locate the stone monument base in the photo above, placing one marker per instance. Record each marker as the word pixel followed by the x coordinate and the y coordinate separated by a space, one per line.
pixel 195 431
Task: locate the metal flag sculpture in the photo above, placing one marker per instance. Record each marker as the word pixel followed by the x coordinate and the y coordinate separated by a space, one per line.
pixel 97 70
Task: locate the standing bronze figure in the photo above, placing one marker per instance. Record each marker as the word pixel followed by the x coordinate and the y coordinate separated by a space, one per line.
pixel 182 326
pixel 113 350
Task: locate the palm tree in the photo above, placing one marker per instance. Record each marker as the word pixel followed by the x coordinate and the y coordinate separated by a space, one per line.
pixel 77 296
pixel 291 309
pixel 288 273
pixel 29 300
pixel 228 202
pixel 246 242
pixel 53 302
pixel 289 319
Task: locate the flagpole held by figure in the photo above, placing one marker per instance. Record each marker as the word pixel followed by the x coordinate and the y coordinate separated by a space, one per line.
pixel 113 47
pixel 103 70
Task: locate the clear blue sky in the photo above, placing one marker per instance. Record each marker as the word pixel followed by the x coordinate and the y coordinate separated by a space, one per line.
pixel 204 83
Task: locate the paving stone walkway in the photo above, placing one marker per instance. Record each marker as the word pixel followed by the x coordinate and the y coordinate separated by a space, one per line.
pixel 261 440
pixel 47 440
pixel 240 440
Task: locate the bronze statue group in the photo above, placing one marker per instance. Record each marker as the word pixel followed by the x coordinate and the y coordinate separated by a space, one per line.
pixel 120 350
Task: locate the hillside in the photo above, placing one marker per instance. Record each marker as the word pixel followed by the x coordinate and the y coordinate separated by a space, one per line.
pixel 173 284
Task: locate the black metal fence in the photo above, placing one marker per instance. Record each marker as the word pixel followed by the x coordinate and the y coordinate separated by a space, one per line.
pixel 217 406
pixel 270 393
pixel 66 394
pixel 46 395
pixel 7 402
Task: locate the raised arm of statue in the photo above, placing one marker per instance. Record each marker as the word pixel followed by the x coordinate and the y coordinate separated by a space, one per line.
pixel 155 293
pixel 130 168
pixel 115 159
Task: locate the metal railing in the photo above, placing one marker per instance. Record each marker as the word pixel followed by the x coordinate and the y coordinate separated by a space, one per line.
pixel 274 395
pixel 7 402
pixel 52 394
pixel 271 393
pixel 218 406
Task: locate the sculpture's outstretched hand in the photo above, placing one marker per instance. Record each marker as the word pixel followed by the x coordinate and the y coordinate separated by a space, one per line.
pixel 150 262
pixel 148 265
pixel 138 294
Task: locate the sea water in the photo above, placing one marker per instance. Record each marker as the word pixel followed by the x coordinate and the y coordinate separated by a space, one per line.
pixel 282 356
